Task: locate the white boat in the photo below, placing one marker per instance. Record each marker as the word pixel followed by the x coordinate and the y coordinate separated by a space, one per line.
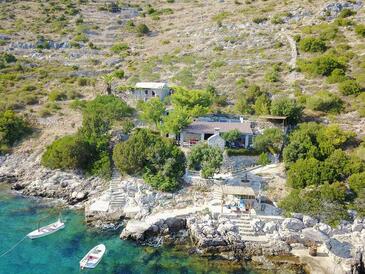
pixel 46 230
pixel 93 257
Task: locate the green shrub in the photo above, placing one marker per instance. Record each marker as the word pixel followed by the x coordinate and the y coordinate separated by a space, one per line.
pixel 142 29
pixel 271 140
pixel 81 37
pixel 259 20
pixel 304 172
pixel 357 182
pixel 119 74
pixel 360 30
pixel 69 152
pixel 349 87
pixel 326 203
pixel 161 163
pixel 205 158
pixel 8 58
pixel 272 76
pixel 83 81
pixel 346 13
pixel 119 47
pixel 284 106
pixel 277 19
pixel 322 65
pixel 337 76
pixel 57 95
pixel 12 129
pixel 312 44
pixel 264 159
pixel 242 152
pixel 325 101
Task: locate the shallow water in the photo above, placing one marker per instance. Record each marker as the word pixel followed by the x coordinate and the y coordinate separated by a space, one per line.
pixel 62 251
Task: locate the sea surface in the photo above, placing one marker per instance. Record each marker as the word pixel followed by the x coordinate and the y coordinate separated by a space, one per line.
pixel 61 252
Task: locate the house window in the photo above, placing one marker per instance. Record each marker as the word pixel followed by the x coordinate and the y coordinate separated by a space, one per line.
pixel 153 94
pixel 146 92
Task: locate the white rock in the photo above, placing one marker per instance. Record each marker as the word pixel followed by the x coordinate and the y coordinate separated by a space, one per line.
pixel 357 227
pixel 326 229
pixel 292 224
pixel 309 221
pixel 298 216
pixel 270 227
pixel 257 225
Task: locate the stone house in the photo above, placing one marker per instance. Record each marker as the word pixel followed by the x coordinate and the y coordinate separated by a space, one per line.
pixel 147 90
pixel 210 131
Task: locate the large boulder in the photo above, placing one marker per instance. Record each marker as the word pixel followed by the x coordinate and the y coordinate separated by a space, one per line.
pixel 257 225
pixel 339 249
pixel 326 229
pixel 270 227
pixel 136 230
pixel 357 226
pixel 292 224
pixel 175 224
pixel 313 235
pixel 276 248
pixel 309 221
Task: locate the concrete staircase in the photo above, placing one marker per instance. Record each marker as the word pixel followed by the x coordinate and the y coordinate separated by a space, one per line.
pixel 117 198
pixel 217 194
pixel 242 221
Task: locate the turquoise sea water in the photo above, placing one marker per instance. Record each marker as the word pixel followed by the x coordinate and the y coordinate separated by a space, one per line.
pixel 61 252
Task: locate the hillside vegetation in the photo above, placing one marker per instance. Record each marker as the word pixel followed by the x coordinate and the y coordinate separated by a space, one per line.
pixel 63 64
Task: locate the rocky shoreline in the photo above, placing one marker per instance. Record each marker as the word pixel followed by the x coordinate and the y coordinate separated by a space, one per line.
pixel 156 218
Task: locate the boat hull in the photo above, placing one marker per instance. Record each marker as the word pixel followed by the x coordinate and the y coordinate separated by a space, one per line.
pixel 46 230
pixel 93 257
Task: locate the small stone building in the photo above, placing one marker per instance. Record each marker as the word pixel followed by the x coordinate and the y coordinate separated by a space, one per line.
pixel 202 130
pixel 147 90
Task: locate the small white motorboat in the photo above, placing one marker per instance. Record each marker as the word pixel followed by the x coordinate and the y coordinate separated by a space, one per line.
pixel 93 257
pixel 46 230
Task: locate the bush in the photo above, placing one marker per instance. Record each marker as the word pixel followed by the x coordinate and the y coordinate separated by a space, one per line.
pixel 142 29
pixel 8 58
pixel 360 30
pixel 337 76
pixel 271 140
pixel 312 44
pixel 231 136
pixel 304 172
pixel 346 13
pixel 357 182
pixel 325 203
pixel 241 152
pixel 119 47
pixel 322 65
pixel 119 74
pixel 264 159
pixel 69 152
pixel 161 163
pixel 277 19
pixel 284 106
pixel 92 138
pixel 196 102
pixel 205 158
pixel 12 129
pixel 349 87
pixel 325 101
pixel 56 95
pixel 259 20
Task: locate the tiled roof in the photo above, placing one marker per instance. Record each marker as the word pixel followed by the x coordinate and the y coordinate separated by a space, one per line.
pixel 209 127
pixel 152 85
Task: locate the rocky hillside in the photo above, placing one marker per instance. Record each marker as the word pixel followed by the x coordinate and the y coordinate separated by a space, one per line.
pixel 65 47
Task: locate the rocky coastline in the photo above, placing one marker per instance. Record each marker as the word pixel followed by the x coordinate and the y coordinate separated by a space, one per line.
pixel 155 218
